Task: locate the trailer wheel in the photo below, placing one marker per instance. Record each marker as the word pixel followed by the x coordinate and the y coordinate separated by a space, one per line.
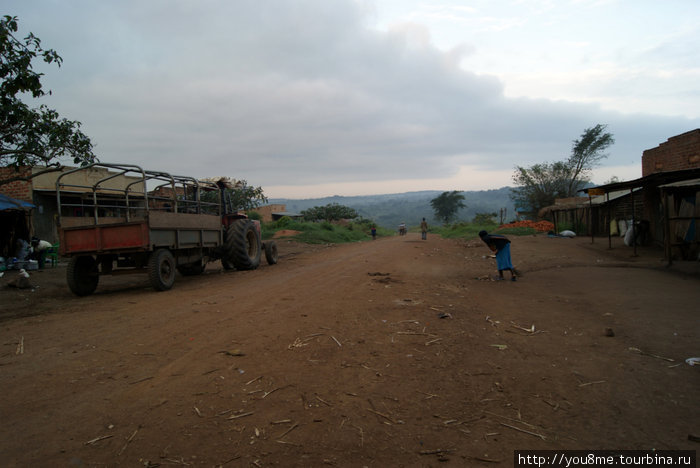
pixel 82 275
pixel 227 264
pixel 271 254
pixel 191 269
pixel 243 245
pixel 161 269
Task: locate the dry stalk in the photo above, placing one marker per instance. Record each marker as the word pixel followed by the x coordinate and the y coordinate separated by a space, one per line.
pixel 129 440
pixel 288 431
pixel 523 430
pixel 388 418
pixel 585 384
pixel 242 415
pixel 97 439
pixel 436 451
pixel 254 380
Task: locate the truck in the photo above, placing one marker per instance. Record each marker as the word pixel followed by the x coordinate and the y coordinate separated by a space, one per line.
pixel 119 218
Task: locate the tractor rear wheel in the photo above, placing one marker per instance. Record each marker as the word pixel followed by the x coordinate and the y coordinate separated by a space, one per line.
pixel 243 245
pixel 82 275
pixel 161 269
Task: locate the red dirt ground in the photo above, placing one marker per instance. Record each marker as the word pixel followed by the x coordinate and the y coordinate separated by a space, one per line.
pixel 338 356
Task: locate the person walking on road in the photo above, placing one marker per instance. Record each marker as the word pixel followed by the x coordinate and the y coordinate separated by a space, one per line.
pixel 501 246
pixel 424 229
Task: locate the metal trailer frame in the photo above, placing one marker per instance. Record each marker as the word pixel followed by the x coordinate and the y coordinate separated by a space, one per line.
pixel 146 221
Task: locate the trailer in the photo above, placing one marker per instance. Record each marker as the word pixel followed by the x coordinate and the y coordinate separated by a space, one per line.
pixel 119 218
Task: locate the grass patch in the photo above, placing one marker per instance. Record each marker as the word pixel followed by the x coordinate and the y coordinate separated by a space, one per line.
pixel 322 232
pixel 471 230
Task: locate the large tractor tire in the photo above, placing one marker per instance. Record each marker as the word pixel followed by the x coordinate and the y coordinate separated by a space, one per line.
pixel 243 245
pixel 82 275
pixel 271 254
pixel 161 269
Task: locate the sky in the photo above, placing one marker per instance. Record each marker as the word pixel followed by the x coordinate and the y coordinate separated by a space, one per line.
pixel 312 98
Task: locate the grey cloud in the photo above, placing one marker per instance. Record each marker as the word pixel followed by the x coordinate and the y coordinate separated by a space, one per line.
pixel 295 92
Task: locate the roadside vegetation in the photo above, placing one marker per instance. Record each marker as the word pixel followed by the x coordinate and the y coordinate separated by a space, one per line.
pixel 325 232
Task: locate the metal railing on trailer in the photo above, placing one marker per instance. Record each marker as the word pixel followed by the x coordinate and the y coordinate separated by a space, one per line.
pixel 132 199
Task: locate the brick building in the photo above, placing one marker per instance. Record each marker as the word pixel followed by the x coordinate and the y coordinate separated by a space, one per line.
pixel 678 153
pixel 20 189
pixel 670 195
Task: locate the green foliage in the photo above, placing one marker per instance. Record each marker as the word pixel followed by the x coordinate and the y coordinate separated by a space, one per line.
pixel 586 153
pixel 485 218
pixel 255 215
pixel 243 196
pixel 471 230
pixel 539 185
pixel 246 197
pixel 32 136
pixel 447 204
pixel 330 212
pixel 315 233
pixel 284 222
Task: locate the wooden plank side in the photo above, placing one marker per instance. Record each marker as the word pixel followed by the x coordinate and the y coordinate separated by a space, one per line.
pixel 164 220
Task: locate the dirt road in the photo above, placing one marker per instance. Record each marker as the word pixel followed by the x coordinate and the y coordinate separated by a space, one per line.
pixel 397 352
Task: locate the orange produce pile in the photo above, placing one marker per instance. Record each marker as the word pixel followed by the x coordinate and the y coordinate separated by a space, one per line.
pixel 542 226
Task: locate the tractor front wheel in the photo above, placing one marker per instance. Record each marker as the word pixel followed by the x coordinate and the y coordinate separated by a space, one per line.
pixel 271 254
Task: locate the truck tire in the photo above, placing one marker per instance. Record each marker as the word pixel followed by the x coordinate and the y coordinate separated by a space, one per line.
pixel 271 254
pixel 191 269
pixel 243 245
pixel 82 275
pixel 161 269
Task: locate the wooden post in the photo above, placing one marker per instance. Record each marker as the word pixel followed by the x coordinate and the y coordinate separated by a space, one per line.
pixel 634 229
pixel 667 227
pixel 607 202
pixel 590 217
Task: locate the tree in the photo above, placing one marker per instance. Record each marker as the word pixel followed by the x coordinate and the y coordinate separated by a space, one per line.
pixel 447 204
pixel 539 185
pixel 243 196
pixel 484 218
pixel 246 197
pixel 586 153
pixel 330 212
pixel 32 136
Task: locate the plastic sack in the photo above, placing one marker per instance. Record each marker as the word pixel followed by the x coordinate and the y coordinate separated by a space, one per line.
pixel 613 228
pixel 622 227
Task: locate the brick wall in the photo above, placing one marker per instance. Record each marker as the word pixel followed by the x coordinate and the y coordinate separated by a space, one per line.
pixel 677 153
pixel 19 190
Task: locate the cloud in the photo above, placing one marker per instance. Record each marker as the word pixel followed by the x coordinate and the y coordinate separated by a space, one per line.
pixel 296 93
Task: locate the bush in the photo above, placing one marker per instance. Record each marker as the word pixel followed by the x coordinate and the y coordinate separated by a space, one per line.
pixel 254 215
pixel 284 222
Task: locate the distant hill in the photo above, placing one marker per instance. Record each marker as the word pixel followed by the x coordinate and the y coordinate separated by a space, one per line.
pixel 390 210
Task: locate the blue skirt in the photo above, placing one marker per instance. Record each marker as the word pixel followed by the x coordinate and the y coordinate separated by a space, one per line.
pixel 503 258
